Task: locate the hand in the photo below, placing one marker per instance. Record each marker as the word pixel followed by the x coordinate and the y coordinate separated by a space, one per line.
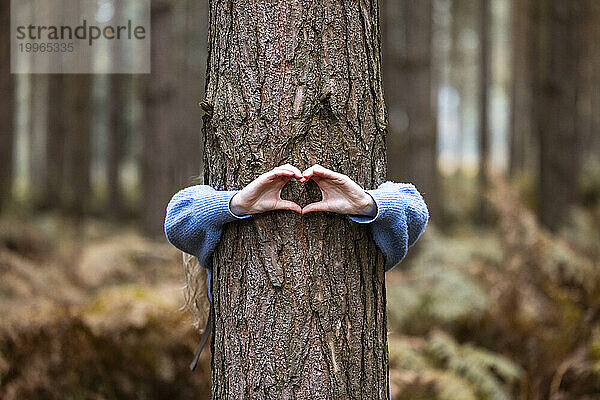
pixel 264 193
pixel 340 193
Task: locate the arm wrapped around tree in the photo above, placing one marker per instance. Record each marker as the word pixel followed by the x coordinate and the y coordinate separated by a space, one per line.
pixel 401 219
pixel 195 219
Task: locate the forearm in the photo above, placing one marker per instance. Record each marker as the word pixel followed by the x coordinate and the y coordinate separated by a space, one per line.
pixel 400 219
pixel 194 219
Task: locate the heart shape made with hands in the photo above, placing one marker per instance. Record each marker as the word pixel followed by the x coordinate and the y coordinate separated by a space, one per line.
pixel 301 193
pixel 339 193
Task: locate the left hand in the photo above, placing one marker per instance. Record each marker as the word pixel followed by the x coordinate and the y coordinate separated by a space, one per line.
pixel 264 193
pixel 340 193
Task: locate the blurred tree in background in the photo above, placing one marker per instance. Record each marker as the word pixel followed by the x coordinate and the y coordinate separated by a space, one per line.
pixel 556 91
pixel 494 109
pixel 6 109
pixel 408 67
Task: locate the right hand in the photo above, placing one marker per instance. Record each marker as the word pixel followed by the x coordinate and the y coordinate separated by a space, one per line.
pixel 264 193
pixel 340 194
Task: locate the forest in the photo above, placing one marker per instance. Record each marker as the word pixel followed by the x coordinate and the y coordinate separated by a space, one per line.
pixel 492 110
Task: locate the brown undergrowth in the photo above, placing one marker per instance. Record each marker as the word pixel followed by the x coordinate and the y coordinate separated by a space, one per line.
pixel 93 314
pixel 507 312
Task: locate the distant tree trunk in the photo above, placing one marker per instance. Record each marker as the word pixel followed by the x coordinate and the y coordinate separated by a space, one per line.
pixel 117 132
pixel 189 62
pixel 594 145
pixel 537 25
pixel 299 300
pixel 6 107
pixel 413 135
pixel 520 129
pixel 484 81
pixel 37 138
pixel 116 135
pixel 393 44
pixel 458 77
pixel 198 21
pixel 55 145
pixel 157 168
pixel 421 154
pixel 587 79
pixel 78 96
pixel 56 142
pixel 556 99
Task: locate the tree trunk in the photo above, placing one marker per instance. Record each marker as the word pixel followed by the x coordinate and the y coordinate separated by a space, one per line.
pixel 521 94
pixel 413 134
pixel 78 88
pixel 586 80
pixel 55 146
pixel 189 62
pixel 299 300
pixel 6 107
pixel 199 12
pixel 393 45
pixel 457 75
pixel 594 145
pixel 37 138
pixel 116 135
pixel 116 142
pixel 484 80
pixel 117 132
pixel 157 169
pixel 557 109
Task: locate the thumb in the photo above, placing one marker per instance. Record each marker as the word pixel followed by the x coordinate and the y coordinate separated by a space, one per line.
pixel 318 206
pixel 288 205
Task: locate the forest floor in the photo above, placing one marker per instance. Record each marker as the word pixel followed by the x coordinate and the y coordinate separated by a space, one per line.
pixel 93 311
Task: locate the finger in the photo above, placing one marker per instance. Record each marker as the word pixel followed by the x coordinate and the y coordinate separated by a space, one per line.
pixel 318 206
pixel 291 168
pixel 282 179
pixel 280 172
pixel 308 173
pixel 326 173
pixel 288 205
pixel 297 172
pixel 320 171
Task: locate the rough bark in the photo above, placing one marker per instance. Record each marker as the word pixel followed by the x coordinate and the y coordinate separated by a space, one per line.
pixel 556 108
pixel 299 300
pixel 6 106
pixel 408 64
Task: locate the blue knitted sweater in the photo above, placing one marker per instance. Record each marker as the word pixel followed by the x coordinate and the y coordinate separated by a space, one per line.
pixel 196 215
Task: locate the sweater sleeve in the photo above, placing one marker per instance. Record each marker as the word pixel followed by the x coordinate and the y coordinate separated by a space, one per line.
pixel 195 217
pixel 401 219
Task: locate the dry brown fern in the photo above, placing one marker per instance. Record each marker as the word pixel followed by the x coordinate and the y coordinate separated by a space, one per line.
pixel 195 291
